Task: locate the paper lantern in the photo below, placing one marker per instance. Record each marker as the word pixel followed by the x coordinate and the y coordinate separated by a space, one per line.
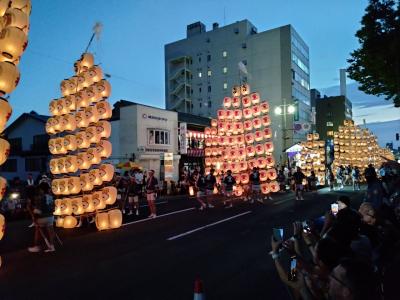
pixel 93 94
pixel 214 131
pixel 242 166
pixel 246 101
pixel 256 110
pixel 83 161
pixel 13 42
pixel 214 141
pixel 237 114
pixel 66 206
pixel 245 89
pixel 271 174
pixel 208 142
pixel 71 164
pixel 63 186
pixel 191 191
pixel 250 151
pixel 249 137
pixel 269 147
pixel 208 161
pixel 229 127
pixel 240 139
pixel 91 135
pixel 95 177
pixel 57 124
pixel 270 161
pixel 60 222
pixel 9 74
pixel 267 133
pixel 265 188
pixel 258 136
pixel 255 98
pixel 266 120
pixel 244 178
pixel 86 184
pixel 109 195
pixel 237 180
pixel 69 142
pixel 98 202
pixel 103 87
pixel 227 102
pixel 4 5
pixel 82 99
pixel 263 175
pixel 70 222
pixel 74 185
pixel 82 142
pixel 91 114
pixel 53 166
pixel 247 113
pixel 115 218
pixel 264 106
pixel 104 148
pixel 57 207
pixel 259 149
pixel 236 90
pixel 54 186
pixel 24 5
pixel 315 136
pixel 68 123
pixel 94 74
pixel 256 123
pixel 248 125
pixel 322 143
pixel 102 221
pixel 87 203
pixel 261 162
pixel 214 122
pixel 5 113
pixel 309 137
pixel 77 206
pixel 228 114
pixel 274 186
pixel 252 163
pixel 84 63
pixel 70 103
pixel 106 172
pixel 104 129
pixel 221 114
pixel 62 109
pixel 238 191
pixel 81 120
pixel 236 102
pixel 214 151
pixel 3 187
pixel 4 150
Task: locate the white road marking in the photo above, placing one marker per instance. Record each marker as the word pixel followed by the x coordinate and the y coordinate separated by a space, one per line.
pixel 159 216
pixel 206 226
pixel 157 203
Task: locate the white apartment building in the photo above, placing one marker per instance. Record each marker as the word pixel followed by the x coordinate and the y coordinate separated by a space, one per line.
pixel 201 69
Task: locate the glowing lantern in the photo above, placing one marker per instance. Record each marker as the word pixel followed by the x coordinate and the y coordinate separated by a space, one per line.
pixel 115 218
pixel 214 122
pixel 83 161
pixel 242 166
pixel 82 141
pixel 86 184
pixel 93 94
pixel 259 149
pixel 91 114
pixel 59 221
pixel 4 5
pixel 227 102
pixel 266 120
pixel 24 5
pixel 87 203
pixel 228 114
pixel 264 106
pixel 109 195
pixel 246 101
pixel 54 187
pixel 57 207
pixel 70 142
pixel 9 74
pixel 98 202
pixel 106 172
pixel 104 129
pixel 63 187
pixel 252 163
pixel 265 188
pixel 215 190
pixel 66 207
pixel 316 136
pixel 263 175
pixel 240 139
pixel 245 89
pixel 4 151
pixel 214 151
pixel 13 42
pixel 191 191
pixel 309 137
pixel 104 110
pixel 91 135
pixel 62 109
pixel 70 103
pixel 236 90
pixel 71 164
pixel 94 74
pixel 208 161
pixel 255 98
pixel 70 222
pixel 322 143
pixel 82 100
pixel 102 221
pixel 49 126
pixel 258 136
pixel 103 87
pixel 250 151
pixel 267 133
pixel 269 147
pixel 238 191
pixel 244 178
pixel 208 142
pixel 54 166
pixel 52 146
pixel 221 114
pixel 104 148
pixel 214 131
pixel 81 120
pixel 270 161
pixel 271 174
pixel 261 162
pixel 256 123
pixel 53 107
pixel 229 127
pixel 249 137
pixel 248 125
pixel 236 102
pixel 68 123
pixel 256 110
pixel 237 114
pixel 214 141
pixel 247 113
pixel 84 63
pixel 64 86
pixel 237 180
pixel 274 186
pixel 3 187
pixel 77 206
pixel 74 185
pixel 5 113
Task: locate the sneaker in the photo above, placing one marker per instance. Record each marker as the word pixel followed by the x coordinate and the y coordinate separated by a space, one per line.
pixel 123 211
pixel 301 198
pixel 229 206
pixel 30 226
pixel 79 224
pixel 92 220
pixel 297 198
pixel 137 212
pixel 50 249
pixel 129 213
pixel 34 249
pixel 201 207
pixel 210 206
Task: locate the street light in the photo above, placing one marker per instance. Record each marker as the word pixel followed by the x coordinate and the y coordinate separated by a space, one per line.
pixel 291 109
pixel 278 110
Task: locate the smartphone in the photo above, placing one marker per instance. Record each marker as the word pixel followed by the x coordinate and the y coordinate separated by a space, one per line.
pixel 277 234
pixel 292 275
pixel 305 226
pixel 334 208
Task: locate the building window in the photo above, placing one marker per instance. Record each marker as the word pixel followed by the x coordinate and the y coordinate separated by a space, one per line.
pixel 199 59
pixel 15 145
pixel 209 103
pixel 200 74
pixel 329 124
pixel 9 166
pixel 40 142
pixel 224 70
pixel 225 85
pixel 36 164
pixel 209 88
pixel 224 54
pixel 158 137
pixel 199 89
pixel 209 73
pixel 208 57
pixel 200 104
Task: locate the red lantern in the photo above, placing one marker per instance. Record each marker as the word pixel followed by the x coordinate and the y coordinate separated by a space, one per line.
pixel 252 164
pixel 240 139
pixel 256 123
pixel 242 152
pixel 208 161
pixel 269 147
pixel 214 141
pixel 245 89
pixel 274 186
pixel 229 127
pixel 258 135
pixel 236 102
pixel 246 101
pixel 214 122
pixel 232 153
pixel 247 113
pixel 244 177
pixel 260 149
pixel 249 137
pixel 264 106
pixel 248 125
pixel 214 151
pixel 265 188
pixel 239 127
pixel 225 166
pixel 255 98
pixel 207 130
pixel 229 114
pixel 263 175
pixel 256 110
pixel 271 173
pixel 238 191
pixel 221 114
pixel 214 131
pixel 237 178
pixel 208 142
pixel 270 161
pixel 207 152
pixel 243 166
pixel 221 127
pixel 266 120
pixel 237 114
pixel 250 151
pixel 267 133
pixel 261 162
pixel 227 102
pixel 221 140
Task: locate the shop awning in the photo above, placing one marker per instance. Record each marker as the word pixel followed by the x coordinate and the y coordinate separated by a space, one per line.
pixel 294 148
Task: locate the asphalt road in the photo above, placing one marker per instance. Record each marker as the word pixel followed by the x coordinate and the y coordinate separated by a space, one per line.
pixel 160 258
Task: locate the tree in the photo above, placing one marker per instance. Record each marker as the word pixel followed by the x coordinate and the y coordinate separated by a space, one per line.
pixel 376 64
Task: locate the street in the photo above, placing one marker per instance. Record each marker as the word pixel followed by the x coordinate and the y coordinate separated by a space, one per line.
pixel 160 258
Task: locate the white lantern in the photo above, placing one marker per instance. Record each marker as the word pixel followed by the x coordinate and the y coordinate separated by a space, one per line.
pixel 70 102
pixel 9 76
pixel 70 222
pixel 71 164
pixel 3 187
pixel 91 114
pixel 115 218
pixel 104 88
pixel 70 142
pixel 93 156
pixel 13 42
pixel 91 135
pixel 66 206
pixel 4 151
pixel 82 141
pixel 104 148
pixel 77 206
pixel 83 161
pixel 5 113
pixel 4 5
pixel 107 172
pixel 84 63
pixel 86 184
pixel 109 195
pixel 82 99
pixel 94 73
pixel 98 201
pixel 104 129
pixel 24 5
pixel 74 185
pixel 87 203
pixel 68 123
pixel 95 177
pixel 102 221
pixel 54 166
pixel 104 110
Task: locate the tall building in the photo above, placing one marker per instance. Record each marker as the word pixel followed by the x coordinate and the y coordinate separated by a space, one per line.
pixel 202 68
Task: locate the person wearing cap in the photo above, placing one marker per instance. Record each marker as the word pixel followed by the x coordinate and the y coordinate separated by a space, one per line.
pixel 151 192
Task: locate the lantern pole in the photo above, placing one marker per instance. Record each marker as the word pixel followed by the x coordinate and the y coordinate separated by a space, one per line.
pixel 97 29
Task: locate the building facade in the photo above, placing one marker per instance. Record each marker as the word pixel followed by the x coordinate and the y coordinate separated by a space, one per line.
pixel 330 113
pixel 201 69
pixel 29 151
